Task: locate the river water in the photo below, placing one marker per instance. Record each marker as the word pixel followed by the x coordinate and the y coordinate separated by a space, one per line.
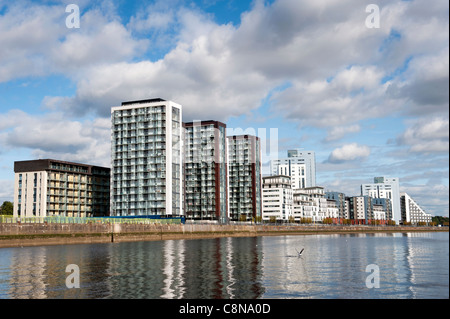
pixel 369 266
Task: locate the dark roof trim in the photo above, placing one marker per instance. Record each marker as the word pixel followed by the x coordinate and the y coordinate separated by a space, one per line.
pixel 201 123
pixel 45 164
pixel 143 101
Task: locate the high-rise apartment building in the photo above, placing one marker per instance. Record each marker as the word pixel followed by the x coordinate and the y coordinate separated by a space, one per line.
pixel 244 171
pixel 205 171
pixel 299 165
pixel 385 187
pixel 48 187
pixel 146 154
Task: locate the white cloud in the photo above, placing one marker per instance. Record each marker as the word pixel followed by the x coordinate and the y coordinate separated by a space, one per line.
pixel 349 152
pixel 337 132
pixel 39 43
pixel 98 41
pixel 200 75
pixel 352 95
pixel 427 136
pixel 425 87
pixel 26 34
pixel 6 190
pixel 53 136
pixel 373 56
pixel 218 71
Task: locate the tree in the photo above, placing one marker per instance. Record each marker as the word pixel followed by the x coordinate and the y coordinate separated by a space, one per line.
pixel 7 208
pixel 440 220
pixel 346 221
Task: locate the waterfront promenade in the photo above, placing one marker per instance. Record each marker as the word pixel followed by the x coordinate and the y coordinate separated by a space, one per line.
pixel 16 235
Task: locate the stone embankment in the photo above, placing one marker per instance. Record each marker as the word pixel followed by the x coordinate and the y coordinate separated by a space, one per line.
pixel 16 235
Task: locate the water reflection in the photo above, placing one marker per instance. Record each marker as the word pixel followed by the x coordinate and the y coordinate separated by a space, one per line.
pixel 29 282
pixel 174 269
pixel 332 266
pixel 212 266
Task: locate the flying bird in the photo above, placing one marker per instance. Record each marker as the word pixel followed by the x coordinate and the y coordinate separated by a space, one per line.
pixel 300 252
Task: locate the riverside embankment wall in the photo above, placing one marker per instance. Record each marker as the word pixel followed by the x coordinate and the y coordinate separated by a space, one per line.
pixel 50 234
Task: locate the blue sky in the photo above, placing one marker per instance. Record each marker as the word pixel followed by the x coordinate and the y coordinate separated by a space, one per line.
pixel 369 101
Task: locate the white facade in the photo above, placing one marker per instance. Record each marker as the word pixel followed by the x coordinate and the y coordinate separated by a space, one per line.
pixel 317 196
pixel 299 165
pixel 311 203
pixel 385 187
pixel 412 212
pixel 378 212
pixel 277 198
pixel 146 168
pixel 30 194
pixel 303 207
pixel 359 208
pixel 297 172
pixel 280 201
pixel 332 209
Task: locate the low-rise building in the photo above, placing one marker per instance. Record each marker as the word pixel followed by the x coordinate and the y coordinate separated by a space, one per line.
pixel 277 198
pixel 339 200
pixel 360 208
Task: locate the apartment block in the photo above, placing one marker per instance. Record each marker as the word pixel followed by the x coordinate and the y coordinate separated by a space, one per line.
pixel 205 171
pixel 302 206
pixel 339 200
pixel 412 212
pixel 277 198
pixel 385 187
pixel 368 210
pixel 244 169
pixel 360 208
pixel 319 202
pixel 384 205
pixel 48 187
pixel 299 165
pixel 311 203
pixel 146 155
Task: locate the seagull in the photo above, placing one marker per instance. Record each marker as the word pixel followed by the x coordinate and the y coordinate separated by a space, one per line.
pixel 300 253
